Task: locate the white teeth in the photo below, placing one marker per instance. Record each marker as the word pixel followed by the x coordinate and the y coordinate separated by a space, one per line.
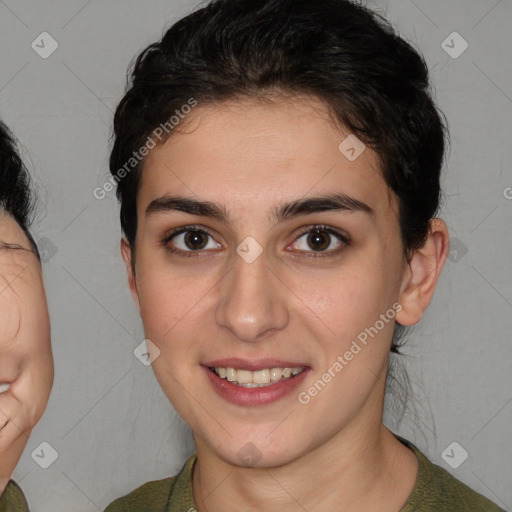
pixel 276 374
pixel 261 377
pixel 258 378
pixel 4 387
pixel 244 376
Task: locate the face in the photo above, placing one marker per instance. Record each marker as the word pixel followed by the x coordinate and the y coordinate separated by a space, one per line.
pixel 261 246
pixel 26 365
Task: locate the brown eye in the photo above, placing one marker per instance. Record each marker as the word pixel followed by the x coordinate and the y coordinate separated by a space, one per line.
pixel 191 240
pixel 320 240
pixel 195 240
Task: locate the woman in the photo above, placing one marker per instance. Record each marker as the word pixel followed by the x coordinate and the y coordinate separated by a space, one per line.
pixel 278 166
pixel 26 363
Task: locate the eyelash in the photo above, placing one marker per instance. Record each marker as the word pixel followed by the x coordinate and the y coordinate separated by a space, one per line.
pixel 325 229
pixel 309 254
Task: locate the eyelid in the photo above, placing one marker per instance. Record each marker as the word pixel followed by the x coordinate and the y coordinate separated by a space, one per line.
pixel 6 245
pixel 184 229
pixel 324 227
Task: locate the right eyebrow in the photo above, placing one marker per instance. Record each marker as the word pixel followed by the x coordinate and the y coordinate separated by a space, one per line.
pixel 187 205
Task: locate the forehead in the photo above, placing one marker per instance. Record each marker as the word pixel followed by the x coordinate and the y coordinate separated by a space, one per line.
pixel 252 152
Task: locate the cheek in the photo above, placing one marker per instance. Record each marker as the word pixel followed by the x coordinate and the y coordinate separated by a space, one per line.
pixel 10 319
pixel 167 302
pixel 34 344
pixel 345 301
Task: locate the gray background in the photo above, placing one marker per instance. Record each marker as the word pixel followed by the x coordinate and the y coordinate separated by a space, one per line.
pixel 107 419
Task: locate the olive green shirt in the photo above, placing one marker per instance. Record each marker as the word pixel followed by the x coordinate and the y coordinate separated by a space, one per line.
pixel 12 499
pixel 435 490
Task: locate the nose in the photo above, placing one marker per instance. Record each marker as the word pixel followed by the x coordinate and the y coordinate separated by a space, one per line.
pixel 252 300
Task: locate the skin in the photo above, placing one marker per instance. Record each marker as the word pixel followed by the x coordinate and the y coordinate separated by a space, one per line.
pixel 252 156
pixel 25 353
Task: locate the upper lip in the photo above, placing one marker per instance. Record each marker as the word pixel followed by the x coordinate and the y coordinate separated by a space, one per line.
pixel 254 364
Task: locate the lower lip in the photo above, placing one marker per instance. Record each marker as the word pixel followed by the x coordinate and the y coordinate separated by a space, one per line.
pixel 254 396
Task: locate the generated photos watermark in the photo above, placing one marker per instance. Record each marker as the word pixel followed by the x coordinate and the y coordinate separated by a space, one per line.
pixel 157 135
pixel 357 345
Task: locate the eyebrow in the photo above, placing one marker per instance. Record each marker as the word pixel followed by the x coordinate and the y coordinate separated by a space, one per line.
pixel 286 211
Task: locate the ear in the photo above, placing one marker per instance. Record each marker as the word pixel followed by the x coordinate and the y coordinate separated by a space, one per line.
pixel 126 253
pixel 422 272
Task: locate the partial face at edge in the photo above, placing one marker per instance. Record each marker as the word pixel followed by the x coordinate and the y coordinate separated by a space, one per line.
pixel 305 298
pixel 26 364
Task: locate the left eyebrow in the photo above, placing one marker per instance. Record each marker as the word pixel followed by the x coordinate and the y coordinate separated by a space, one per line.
pixel 331 202
pixel 286 211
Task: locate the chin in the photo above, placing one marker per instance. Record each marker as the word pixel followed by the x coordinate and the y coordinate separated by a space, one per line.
pixel 252 452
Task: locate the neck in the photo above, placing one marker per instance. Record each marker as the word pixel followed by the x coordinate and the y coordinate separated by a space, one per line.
pixel 3 484
pixel 361 468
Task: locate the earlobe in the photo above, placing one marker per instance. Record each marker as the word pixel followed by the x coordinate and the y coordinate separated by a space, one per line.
pixel 422 272
pixel 126 253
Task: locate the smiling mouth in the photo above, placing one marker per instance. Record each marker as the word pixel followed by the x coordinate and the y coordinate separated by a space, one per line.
pixel 4 387
pixel 256 379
